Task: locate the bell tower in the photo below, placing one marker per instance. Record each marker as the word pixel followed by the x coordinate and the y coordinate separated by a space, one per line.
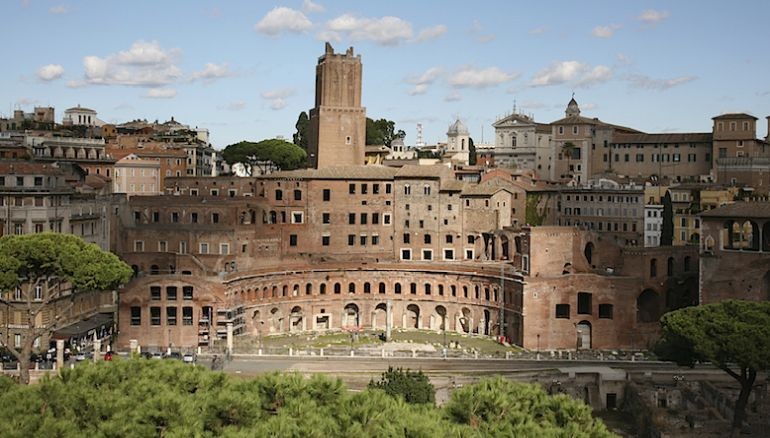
pixel 338 121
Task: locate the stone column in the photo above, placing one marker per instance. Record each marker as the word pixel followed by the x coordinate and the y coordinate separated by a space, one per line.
pixel 97 350
pixel 388 318
pixel 59 354
pixel 230 338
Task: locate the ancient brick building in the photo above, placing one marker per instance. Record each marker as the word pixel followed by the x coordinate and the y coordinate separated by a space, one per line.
pixel 338 121
pixel 735 252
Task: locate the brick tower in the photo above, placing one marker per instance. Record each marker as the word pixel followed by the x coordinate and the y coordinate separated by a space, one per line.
pixel 338 121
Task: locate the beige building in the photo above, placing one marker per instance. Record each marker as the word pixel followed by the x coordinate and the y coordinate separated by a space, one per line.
pixel 338 121
pixel 137 176
pixel 522 143
pixel 581 145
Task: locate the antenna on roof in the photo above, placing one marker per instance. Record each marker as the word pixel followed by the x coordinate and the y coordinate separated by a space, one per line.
pixel 514 105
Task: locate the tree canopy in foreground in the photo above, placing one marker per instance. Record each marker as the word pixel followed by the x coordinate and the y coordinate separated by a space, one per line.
pixel 56 266
pixel 733 335
pixel 139 397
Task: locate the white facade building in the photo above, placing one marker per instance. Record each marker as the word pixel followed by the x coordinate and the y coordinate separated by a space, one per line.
pixel 653 224
pixel 81 116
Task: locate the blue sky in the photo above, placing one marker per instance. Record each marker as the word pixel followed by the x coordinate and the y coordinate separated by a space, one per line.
pixel 245 69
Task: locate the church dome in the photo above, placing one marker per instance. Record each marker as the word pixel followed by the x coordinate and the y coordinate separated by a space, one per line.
pixel 457 128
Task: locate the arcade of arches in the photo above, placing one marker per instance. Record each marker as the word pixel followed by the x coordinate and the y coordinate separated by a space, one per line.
pixel 336 299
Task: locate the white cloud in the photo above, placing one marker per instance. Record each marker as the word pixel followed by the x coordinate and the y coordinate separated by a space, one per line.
pixel 575 72
pixel 623 59
pixel 431 33
pixel 277 98
pixel 648 83
pixel 211 72
pixel 596 75
pixel 427 77
pixel 652 17
pixel 453 97
pixel 605 31
pixel 144 64
pixel 237 105
pixel 59 10
pixel 387 31
pixel 50 72
pixel 477 31
pixel 24 101
pixel 423 80
pixel 282 19
pixel 538 30
pixel 558 73
pixel 160 93
pixel 310 7
pixel 480 78
pixel 418 89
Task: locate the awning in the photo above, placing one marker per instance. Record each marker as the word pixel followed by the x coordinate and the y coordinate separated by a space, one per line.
pixel 82 328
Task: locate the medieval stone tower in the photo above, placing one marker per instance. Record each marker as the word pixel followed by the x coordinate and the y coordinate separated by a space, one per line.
pixel 338 121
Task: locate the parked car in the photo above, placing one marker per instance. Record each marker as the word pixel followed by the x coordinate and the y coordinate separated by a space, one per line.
pixel 157 355
pixel 188 358
pixel 83 355
pixel 174 355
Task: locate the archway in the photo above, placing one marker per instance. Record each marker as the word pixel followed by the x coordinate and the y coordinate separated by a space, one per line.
pixel 464 320
pixel 256 322
pixel 438 319
pixel 379 317
pixel 486 322
pixel 505 247
pixel 648 306
pixel 583 329
pixel 588 252
pixel 412 316
pixel 296 320
pixel 350 316
pixel 275 320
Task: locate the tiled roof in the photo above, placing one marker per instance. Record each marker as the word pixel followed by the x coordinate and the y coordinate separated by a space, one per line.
pixel 688 137
pixel 337 172
pixel 578 120
pixel 481 190
pixel 741 209
pixel 734 116
pixel 432 171
pixel 27 168
pixel 452 185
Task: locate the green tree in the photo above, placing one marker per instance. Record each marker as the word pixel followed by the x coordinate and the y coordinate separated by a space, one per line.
pixel 300 137
pixel 500 407
pixel 56 265
pixel 414 387
pixel 667 228
pixel 471 152
pixel 266 155
pixel 733 335
pixel 139 397
pixel 381 131
pixel 568 149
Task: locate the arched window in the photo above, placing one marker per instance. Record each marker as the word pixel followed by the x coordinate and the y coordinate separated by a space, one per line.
pixel 309 289
pixel 413 288
pixel 397 288
pixel 278 195
pixel 427 289
pixel 382 287
pixel 337 288
pixel 653 268
pixel 351 288
pixel 322 289
pixel 367 288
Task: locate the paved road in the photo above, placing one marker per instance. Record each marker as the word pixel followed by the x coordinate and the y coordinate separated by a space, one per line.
pixel 344 365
